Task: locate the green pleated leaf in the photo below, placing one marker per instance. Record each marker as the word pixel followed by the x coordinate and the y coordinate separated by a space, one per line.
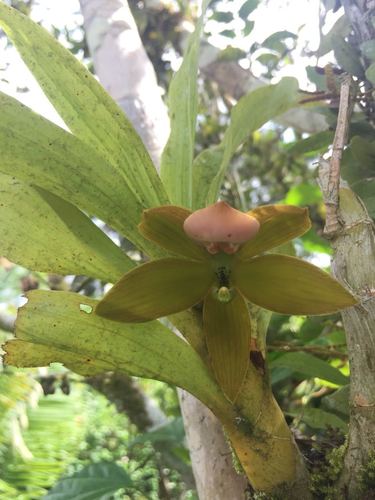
pixel 347 56
pixel 164 226
pixel 227 333
pixel 84 105
pixel 55 327
pixel 94 482
pixel 205 166
pixel 177 158
pixel 278 225
pixel 250 113
pixel 341 28
pixel 319 419
pixel 370 73
pixel 304 194
pixel 43 232
pixel 288 285
pixel 43 154
pixel 338 402
pixel 156 289
pixel 310 366
pixel 312 144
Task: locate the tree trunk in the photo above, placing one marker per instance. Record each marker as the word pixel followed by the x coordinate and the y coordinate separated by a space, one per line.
pixel 354 264
pixel 125 71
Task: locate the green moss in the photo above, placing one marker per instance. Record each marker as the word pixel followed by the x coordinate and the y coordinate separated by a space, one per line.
pixel 324 478
pixel 282 493
pixel 367 479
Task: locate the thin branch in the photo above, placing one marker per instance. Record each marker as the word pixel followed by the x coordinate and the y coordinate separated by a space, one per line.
pixel 330 181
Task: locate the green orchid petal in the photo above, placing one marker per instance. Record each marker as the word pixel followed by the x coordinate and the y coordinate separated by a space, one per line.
pixel 164 226
pixel 288 285
pixel 278 225
pixel 227 332
pixel 156 289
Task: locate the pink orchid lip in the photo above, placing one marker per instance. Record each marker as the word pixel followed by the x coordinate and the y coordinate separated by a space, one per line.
pixel 219 227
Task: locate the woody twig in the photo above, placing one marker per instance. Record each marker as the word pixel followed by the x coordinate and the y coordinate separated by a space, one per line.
pixel 329 174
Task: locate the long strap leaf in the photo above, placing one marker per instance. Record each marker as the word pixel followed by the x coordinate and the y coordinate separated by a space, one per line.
pixel 177 158
pixel 58 326
pixel 44 232
pixel 251 112
pixel 84 105
pixel 41 153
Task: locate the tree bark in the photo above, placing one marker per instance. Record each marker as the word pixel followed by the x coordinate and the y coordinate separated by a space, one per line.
pixel 211 456
pixel 125 71
pixel 354 264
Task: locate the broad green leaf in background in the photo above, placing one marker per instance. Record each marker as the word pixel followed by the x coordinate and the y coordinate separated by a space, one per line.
pixel 319 419
pixel 370 73
pixel 310 366
pixel 250 113
pixel 368 49
pixel 177 158
pixel 84 105
pixel 347 56
pixel 313 144
pixel 340 28
pixel 359 170
pixel 338 401
pixel 205 167
pixel 172 432
pixel 247 8
pixel 59 327
pixel 41 153
pixel 303 194
pixel 316 78
pixel 312 242
pixel 43 232
pixel 365 189
pixel 222 17
pixel 364 152
pixel 95 482
pixel 276 40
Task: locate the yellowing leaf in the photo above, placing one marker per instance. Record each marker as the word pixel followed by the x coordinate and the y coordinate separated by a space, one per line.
pixel 40 153
pixel 290 286
pixel 84 105
pixel 156 289
pixel 52 327
pixel 177 158
pixel 227 333
pixel 45 233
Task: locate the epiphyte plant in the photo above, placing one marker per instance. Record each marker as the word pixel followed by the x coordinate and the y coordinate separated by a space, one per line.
pixel 56 180
pixel 224 265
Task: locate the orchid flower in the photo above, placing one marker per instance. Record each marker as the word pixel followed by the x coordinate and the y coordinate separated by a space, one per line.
pixel 222 262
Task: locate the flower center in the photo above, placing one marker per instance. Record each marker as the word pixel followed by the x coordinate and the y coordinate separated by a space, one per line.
pixel 223 291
